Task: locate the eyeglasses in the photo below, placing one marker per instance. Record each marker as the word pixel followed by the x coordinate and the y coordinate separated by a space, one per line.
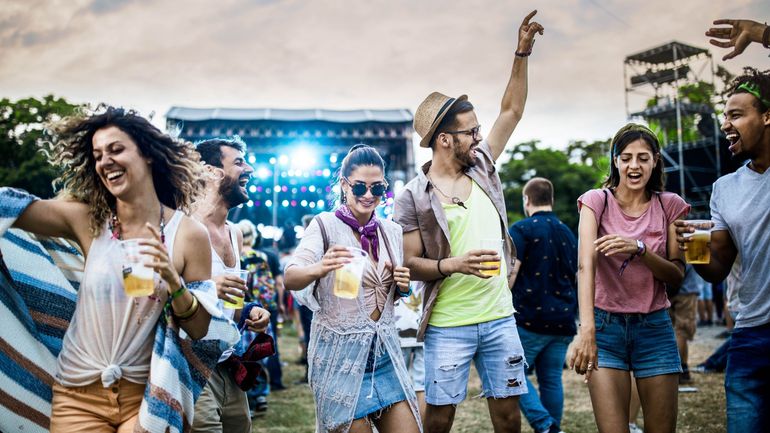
pixel 359 188
pixel 473 132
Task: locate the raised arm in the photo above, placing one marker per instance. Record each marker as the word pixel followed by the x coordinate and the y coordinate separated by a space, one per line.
pixel 515 96
pixel 738 36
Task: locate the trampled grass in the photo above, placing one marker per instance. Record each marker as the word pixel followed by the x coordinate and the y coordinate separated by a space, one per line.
pixel 292 410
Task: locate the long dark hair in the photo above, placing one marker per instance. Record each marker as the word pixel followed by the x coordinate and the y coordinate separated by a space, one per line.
pixel 176 169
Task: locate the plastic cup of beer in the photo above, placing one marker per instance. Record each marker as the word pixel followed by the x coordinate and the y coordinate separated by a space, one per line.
pixel 698 249
pixel 495 245
pixel 138 278
pixel 238 304
pixel 347 279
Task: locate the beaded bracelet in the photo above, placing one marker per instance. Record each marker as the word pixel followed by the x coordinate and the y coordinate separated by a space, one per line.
pixel 405 294
pixel 523 53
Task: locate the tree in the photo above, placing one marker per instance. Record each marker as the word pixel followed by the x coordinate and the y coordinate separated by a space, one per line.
pixel 573 171
pixel 22 128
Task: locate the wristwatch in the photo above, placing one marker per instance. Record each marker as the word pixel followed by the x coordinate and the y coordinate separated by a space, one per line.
pixel 641 248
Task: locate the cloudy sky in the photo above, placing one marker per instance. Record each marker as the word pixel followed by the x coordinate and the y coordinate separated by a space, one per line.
pixel 346 54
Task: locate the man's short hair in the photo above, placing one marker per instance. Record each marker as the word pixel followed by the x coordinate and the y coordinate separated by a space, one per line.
pixel 211 150
pixel 539 190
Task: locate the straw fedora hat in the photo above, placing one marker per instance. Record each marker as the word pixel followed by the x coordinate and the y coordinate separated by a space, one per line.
pixel 430 113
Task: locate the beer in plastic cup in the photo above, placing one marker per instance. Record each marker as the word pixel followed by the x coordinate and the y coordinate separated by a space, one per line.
pixel 496 245
pixel 138 278
pixel 347 279
pixel 698 250
pixel 244 275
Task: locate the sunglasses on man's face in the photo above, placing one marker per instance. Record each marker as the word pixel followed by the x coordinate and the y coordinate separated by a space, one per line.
pixel 359 188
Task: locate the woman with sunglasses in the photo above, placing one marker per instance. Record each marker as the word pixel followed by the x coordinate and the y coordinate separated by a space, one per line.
pixel 356 369
pixel 627 253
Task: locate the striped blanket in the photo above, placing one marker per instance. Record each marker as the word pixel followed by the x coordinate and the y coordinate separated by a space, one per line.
pixel 38 291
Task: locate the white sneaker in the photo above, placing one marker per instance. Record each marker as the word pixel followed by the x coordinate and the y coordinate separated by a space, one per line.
pixel 633 428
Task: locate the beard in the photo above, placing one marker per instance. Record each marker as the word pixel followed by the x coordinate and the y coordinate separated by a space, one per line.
pixel 463 156
pixel 231 192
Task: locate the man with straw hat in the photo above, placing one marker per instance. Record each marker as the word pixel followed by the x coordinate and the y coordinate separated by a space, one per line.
pixel 456 243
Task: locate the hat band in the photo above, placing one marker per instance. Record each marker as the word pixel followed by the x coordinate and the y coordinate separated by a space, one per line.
pixel 443 108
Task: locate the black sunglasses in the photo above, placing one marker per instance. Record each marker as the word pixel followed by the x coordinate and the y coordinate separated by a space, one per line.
pixel 359 188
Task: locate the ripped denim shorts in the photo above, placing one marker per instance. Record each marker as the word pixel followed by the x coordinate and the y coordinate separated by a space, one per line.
pixel 493 346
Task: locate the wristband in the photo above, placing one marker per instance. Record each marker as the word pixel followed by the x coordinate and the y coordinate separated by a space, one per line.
pixel 438 266
pixel 405 294
pixel 523 53
pixel 180 291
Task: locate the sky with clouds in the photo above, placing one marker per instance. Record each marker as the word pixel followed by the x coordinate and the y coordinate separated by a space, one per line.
pixel 346 54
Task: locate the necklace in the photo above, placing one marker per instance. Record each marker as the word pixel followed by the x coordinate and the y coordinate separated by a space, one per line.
pixel 455 199
pixel 117 234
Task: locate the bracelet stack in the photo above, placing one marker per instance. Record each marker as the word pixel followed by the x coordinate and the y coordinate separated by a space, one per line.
pixel 187 315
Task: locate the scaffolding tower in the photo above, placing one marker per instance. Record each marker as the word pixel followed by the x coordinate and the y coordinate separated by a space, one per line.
pixel 692 153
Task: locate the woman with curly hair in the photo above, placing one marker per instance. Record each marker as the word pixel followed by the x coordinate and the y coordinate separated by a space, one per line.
pixel 627 252
pixel 123 179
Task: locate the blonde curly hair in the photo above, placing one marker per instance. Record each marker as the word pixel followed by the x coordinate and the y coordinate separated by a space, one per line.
pixel 176 169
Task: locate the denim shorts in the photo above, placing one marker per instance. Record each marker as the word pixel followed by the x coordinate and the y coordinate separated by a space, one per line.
pixel 642 343
pixel 493 346
pixel 387 389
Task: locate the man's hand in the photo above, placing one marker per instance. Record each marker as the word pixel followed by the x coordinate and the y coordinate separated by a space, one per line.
pixel 473 262
pixel 739 35
pixel 230 287
pixel 258 319
pixel 527 33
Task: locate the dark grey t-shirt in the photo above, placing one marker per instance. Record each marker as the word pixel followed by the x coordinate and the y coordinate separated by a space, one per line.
pixel 740 204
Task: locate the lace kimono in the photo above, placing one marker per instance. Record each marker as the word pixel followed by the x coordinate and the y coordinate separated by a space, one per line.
pixel 343 331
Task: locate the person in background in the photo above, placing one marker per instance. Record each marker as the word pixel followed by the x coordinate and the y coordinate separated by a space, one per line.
pixel 407 315
pixel 305 317
pixel 277 311
pixel 545 298
pixel 683 310
pixel 261 289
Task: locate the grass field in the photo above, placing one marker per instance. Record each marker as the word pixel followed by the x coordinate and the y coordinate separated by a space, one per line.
pixel 292 410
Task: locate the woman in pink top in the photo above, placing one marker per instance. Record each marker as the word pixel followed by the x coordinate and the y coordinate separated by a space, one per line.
pixel 627 252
